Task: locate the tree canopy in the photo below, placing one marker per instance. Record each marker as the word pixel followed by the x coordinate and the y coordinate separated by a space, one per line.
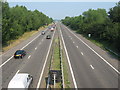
pixel 17 20
pixel 101 25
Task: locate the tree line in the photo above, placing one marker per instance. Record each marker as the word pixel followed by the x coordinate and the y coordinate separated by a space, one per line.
pixel 18 20
pixel 103 26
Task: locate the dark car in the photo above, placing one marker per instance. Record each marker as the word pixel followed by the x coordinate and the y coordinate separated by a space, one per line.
pixel 19 54
pixel 48 37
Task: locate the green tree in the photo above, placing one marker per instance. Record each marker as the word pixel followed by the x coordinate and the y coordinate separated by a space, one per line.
pixel 102 25
pixel 18 19
pixel 114 13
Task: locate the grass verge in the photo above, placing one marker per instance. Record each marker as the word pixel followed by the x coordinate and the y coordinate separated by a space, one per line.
pixel 65 72
pixel 56 59
pixel 104 45
pixel 26 35
pixel 56 56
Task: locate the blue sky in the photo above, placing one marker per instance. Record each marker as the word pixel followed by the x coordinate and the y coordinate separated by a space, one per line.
pixel 59 10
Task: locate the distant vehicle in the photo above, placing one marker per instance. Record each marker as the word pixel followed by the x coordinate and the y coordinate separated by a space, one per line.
pixel 49 27
pixel 19 54
pixel 54 26
pixel 20 80
pixel 48 37
pixel 43 32
pixel 52 29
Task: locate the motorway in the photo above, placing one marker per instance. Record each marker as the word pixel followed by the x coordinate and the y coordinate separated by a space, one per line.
pixel 37 48
pixel 87 67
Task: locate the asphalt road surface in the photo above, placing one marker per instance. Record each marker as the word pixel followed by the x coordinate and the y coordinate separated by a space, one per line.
pixel 90 69
pixel 36 47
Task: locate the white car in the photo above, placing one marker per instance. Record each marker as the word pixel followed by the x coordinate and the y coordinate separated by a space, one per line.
pixel 52 29
pixel 43 32
pixel 20 80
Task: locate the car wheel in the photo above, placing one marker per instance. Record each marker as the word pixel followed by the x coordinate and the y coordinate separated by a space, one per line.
pixel 31 79
pixel 21 57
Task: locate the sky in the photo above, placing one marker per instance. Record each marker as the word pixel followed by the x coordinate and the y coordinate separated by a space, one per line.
pixel 62 0
pixel 59 10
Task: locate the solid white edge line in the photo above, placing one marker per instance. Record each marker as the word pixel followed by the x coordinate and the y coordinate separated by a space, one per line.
pixel 74 81
pixel 30 41
pixel 6 61
pixel 17 72
pixel 96 53
pixel 38 85
pixel 21 49
pixel 92 66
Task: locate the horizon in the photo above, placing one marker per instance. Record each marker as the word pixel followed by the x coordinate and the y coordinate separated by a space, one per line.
pixel 59 10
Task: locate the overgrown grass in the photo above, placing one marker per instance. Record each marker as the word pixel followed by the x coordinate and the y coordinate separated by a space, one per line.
pixel 104 45
pixel 56 65
pixel 58 85
pixel 65 71
pixel 15 42
pixel 56 56
pixel 26 35
pixel 56 59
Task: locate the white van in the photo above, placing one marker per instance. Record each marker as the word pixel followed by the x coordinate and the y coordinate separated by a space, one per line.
pixel 20 80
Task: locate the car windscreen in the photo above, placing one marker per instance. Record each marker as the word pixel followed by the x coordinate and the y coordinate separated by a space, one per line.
pixel 18 52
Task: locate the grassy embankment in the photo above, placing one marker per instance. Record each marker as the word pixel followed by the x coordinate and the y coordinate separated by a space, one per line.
pixel 25 36
pixel 104 45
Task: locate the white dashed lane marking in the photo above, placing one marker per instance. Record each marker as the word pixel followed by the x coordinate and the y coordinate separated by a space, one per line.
pixel 96 53
pixel 91 66
pixel 82 53
pixel 77 46
pixel 29 56
pixel 35 48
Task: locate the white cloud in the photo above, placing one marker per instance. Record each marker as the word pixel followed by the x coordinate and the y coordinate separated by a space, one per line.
pixel 61 0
